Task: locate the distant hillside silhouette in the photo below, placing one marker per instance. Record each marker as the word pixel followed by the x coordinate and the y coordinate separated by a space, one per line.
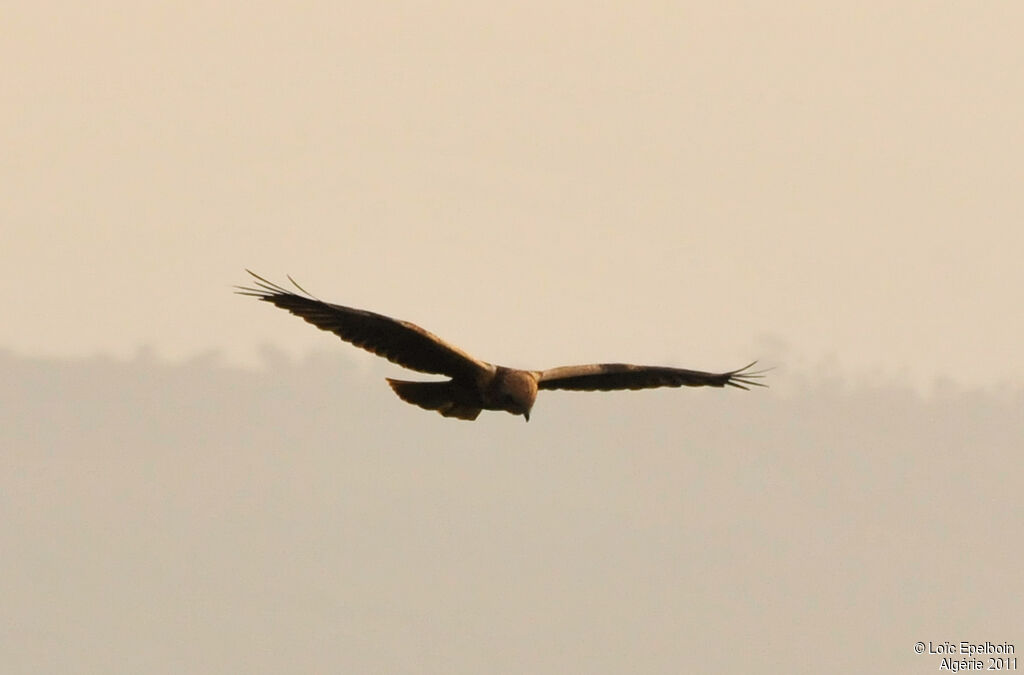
pixel 301 518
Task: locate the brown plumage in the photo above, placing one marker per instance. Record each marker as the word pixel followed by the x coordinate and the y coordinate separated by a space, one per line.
pixel 475 385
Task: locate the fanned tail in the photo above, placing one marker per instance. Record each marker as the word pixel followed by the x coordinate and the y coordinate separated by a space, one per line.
pixel 439 396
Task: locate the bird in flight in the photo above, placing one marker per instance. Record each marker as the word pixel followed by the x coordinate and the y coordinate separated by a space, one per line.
pixel 474 385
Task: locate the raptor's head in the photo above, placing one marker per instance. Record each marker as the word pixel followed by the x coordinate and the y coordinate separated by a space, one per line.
pixel 517 390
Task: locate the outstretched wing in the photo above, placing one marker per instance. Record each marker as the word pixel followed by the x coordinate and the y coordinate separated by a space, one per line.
pixel 398 341
pixel 610 376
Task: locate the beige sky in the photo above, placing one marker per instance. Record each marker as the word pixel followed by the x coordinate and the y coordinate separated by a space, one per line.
pixel 835 186
pixel 695 183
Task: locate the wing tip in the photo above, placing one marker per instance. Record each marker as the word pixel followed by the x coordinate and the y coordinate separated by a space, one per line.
pixel 264 289
pixel 744 378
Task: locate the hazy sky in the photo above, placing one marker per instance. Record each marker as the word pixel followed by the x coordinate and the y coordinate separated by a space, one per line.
pixel 697 183
pixel 832 187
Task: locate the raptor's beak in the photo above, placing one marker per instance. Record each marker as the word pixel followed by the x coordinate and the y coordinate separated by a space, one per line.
pixel 527 415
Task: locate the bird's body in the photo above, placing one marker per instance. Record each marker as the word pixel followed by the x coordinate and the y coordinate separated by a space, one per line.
pixel 505 389
pixel 474 385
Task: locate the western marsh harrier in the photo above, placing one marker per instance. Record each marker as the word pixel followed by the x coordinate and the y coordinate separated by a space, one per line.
pixel 475 385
